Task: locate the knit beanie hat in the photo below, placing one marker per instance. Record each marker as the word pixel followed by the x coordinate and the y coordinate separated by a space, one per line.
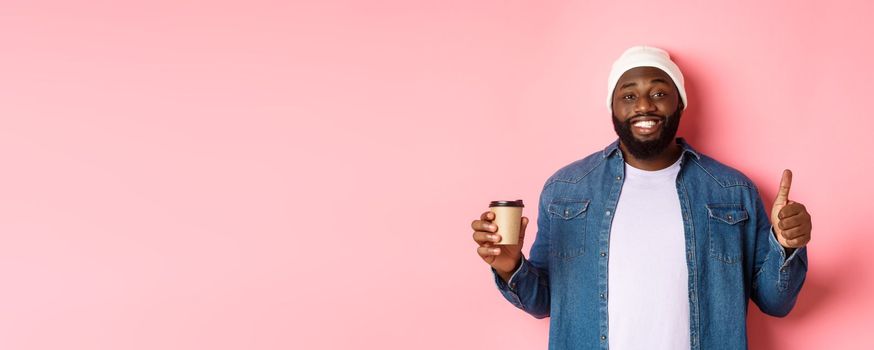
pixel 645 56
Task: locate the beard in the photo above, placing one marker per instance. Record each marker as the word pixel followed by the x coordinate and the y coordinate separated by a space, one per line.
pixel 648 149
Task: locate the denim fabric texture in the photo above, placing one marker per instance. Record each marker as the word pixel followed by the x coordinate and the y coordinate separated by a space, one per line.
pixel 731 253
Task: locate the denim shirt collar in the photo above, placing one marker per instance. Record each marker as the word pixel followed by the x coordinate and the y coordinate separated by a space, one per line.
pixel 614 147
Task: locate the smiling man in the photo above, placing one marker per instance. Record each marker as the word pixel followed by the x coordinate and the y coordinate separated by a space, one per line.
pixel 648 243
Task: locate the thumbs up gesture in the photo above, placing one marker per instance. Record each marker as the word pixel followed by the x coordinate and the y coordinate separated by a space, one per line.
pixel 790 219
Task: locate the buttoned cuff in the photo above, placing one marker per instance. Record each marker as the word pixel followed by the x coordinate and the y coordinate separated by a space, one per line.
pixel 799 254
pixel 508 290
pixel 510 286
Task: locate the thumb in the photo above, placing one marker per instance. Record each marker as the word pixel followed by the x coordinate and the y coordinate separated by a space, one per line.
pixel 522 230
pixel 785 184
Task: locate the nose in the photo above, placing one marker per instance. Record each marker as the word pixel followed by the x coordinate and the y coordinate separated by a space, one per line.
pixel 643 105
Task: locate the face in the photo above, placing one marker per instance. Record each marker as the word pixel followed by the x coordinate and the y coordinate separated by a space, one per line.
pixel 646 111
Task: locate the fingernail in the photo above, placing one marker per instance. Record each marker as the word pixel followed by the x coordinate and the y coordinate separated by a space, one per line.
pixel 496 251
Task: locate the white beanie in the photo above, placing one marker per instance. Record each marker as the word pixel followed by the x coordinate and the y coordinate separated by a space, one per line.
pixel 645 56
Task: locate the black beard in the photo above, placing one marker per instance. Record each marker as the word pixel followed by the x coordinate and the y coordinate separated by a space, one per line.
pixel 648 149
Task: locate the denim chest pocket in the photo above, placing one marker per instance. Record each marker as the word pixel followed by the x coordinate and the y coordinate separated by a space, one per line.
pixel 725 231
pixel 568 227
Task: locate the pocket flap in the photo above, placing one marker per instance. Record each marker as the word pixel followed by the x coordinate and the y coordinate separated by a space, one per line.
pixel 727 213
pixel 568 209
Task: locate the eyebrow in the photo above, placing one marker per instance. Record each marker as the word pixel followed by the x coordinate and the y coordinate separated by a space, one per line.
pixel 655 80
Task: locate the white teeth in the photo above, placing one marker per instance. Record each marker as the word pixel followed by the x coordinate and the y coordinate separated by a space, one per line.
pixel 645 124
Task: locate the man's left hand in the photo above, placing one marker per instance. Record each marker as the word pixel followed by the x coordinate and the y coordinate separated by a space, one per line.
pixel 790 219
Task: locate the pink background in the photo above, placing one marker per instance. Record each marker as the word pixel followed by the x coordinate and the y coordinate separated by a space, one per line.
pixel 265 175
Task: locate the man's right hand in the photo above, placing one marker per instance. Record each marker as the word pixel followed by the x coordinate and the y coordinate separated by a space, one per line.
pixel 503 258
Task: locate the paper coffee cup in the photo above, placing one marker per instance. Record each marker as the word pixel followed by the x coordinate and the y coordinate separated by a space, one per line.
pixel 508 218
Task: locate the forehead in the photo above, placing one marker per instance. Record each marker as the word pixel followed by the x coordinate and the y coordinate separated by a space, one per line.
pixel 644 75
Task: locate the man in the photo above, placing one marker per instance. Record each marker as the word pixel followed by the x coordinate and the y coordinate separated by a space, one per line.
pixel 649 244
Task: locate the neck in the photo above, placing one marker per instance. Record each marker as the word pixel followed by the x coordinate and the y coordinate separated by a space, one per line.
pixel 663 160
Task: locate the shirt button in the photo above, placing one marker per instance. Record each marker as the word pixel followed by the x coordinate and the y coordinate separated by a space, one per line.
pixel 603 337
pixel 567 212
pixel 603 254
pixel 608 213
pixel 619 178
pixel 602 295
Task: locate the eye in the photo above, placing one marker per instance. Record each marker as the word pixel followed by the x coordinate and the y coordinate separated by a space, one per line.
pixel 659 94
pixel 628 97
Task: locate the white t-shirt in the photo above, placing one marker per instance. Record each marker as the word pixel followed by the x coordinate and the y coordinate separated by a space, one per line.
pixel 648 301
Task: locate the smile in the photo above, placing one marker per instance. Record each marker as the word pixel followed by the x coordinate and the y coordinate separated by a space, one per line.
pixel 646 125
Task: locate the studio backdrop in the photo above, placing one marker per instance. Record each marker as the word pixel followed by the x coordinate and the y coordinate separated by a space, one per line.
pixel 303 175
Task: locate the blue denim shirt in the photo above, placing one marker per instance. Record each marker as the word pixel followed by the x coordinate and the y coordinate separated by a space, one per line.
pixel 732 254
